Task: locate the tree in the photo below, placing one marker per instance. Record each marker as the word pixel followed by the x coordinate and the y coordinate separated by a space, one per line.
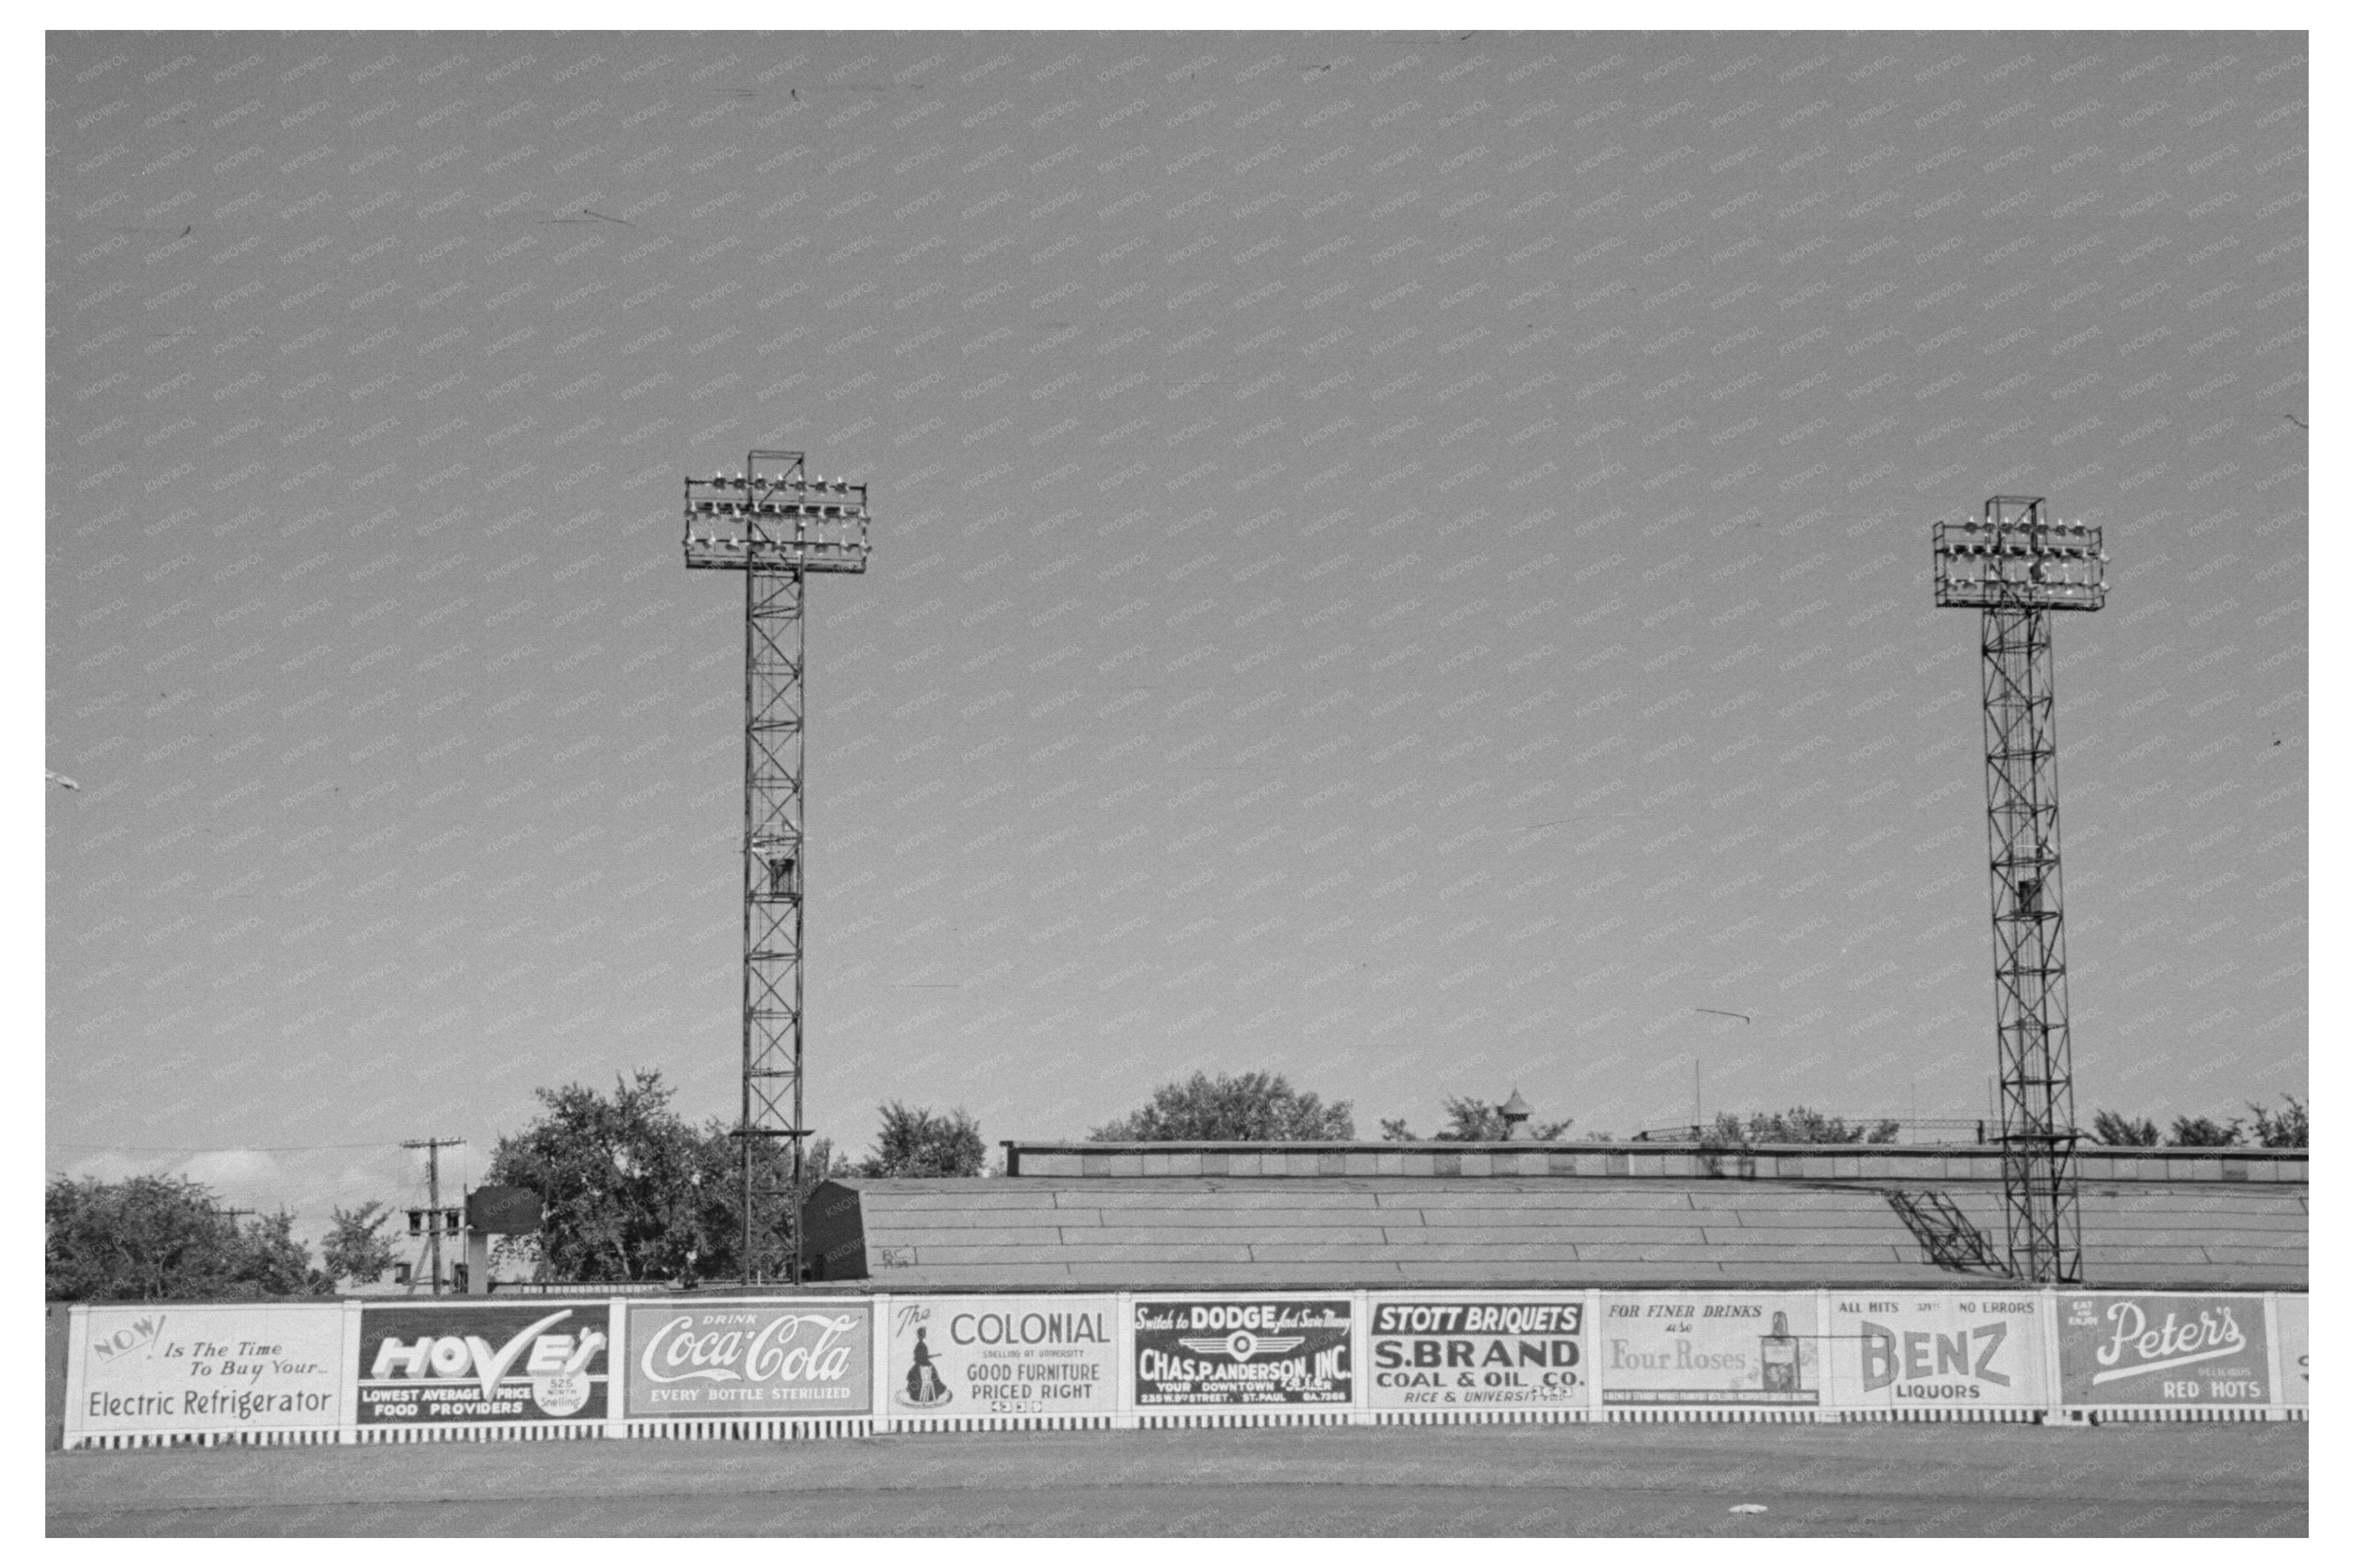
pixel 156 1238
pixel 630 1191
pixel 1473 1121
pixel 919 1143
pixel 2289 1128
pixel 1257 1107
pixel 266 1260
pixel 1800 1124
pixel 355 1249
pixel 2204 1132
pixel 2123 1132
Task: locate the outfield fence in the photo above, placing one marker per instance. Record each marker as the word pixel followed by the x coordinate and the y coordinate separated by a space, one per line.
pixel 820 1365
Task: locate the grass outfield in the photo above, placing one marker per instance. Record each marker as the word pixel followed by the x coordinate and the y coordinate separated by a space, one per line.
pixel 2169 1479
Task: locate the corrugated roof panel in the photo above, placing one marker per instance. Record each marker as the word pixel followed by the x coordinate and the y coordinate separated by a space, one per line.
pixel 1078 1253
pixel 1567 1227
pixel 1209 1192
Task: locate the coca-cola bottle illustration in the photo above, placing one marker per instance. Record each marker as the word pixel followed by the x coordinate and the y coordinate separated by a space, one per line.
pixel 1777 1355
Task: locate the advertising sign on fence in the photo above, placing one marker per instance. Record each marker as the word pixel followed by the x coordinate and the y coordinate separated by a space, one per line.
pixel 1979 1351
pixel 2292 1314
pixel 452 1363
pixel 1003 1355
pixel 1708 1347
pixel 2163 1350
pixel 1480 1353
pixel 212 1368
pixel 1229 1350
pixel 751 1357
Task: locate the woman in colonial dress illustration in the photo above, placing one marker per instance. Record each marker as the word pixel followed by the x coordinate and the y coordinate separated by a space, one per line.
pixel 923 1382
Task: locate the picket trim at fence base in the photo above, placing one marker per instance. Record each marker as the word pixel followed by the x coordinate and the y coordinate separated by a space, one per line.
pixel 1713 1413
pixel 1152 1418
pixel 751 1428
pixel 2018 1413
pixel 1101 1422
pixel 2098 1412
pixel 483 1432
pixel 278 1438
pixel 1478 1418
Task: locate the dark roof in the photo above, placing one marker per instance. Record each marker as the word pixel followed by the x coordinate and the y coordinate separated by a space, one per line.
pixel 1137 1232
pixel 1934 1164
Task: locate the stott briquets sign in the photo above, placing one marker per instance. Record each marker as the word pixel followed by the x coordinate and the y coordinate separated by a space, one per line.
pixel 1484 1352
pixel 2163 1350
pixel 449 1363
pixel 1905 1351
pixel 751 1357
pixel 211 1369
pixel 1227 1351
pixel 1728 1348
pixel 1003 1355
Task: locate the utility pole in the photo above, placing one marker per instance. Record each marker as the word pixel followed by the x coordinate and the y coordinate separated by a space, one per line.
pixel 2015 565
pixel 433 1147
pixel 776 523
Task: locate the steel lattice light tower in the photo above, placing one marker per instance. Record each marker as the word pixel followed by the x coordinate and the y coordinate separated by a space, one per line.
pixel 776 524
pixel 2016 566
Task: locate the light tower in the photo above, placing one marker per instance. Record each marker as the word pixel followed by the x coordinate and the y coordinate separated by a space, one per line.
pixel 2016 566
pixel 776 524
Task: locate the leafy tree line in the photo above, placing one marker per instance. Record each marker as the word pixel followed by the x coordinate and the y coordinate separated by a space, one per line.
pixel 1800 1124
pixel 2289 1126
pixel 1263 1107
pixel 631 1191
pixel 155 1238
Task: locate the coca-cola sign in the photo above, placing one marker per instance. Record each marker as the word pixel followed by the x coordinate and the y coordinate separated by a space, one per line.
pixel 2163 1350
pixel 756 1357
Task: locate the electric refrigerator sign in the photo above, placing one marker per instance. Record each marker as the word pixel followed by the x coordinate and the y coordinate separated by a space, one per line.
pixel 469 1364
pixel 1003 1355
pixel 2163 1350
pixel 1479 1353
pixel 1708 1348
pixel 212 1368
pixel 1273 1350
pixel 738 1358
pixel 1941 1350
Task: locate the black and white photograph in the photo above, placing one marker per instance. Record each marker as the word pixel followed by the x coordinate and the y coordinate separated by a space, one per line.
pixel 974 774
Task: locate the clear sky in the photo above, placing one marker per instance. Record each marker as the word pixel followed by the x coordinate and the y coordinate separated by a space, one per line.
pixel 1400 559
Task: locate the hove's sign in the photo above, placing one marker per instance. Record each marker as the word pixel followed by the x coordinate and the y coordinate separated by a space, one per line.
pixel 449 1364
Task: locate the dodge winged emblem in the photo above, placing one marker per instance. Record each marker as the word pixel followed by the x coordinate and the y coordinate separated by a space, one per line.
pixel 1242 1344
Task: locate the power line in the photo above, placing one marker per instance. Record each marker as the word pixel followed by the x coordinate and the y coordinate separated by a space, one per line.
pixel 222 1147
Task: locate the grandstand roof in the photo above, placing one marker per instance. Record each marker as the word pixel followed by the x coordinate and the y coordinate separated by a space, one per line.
pixel 1161 1232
